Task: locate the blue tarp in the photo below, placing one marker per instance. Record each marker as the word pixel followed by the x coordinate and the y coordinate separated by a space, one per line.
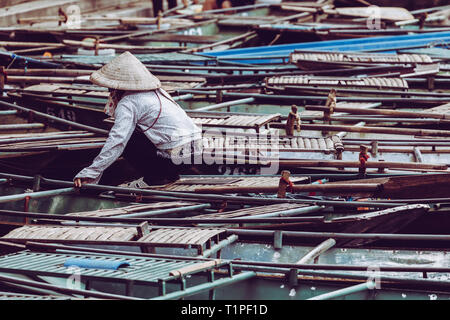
pixel 386 44
pixel 94 263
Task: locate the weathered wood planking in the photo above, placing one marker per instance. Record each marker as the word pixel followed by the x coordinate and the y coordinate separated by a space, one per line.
pixel 336 82
pixel 252 212
pixel 359 58
pixel 41 232
pixel 233 121
pixel 231 143
pixel 188 184
pixel 343 104
pixel 443 109
pixel 131 209
pixel 182 237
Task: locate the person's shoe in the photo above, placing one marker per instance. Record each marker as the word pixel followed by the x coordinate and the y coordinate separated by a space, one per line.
pixel 142 184
pixel 161 182
pixel 136 184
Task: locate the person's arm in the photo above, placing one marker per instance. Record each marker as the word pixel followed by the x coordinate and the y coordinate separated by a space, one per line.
pixel 124 125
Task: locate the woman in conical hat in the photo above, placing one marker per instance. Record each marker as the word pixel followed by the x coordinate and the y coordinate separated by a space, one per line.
pixel 163 129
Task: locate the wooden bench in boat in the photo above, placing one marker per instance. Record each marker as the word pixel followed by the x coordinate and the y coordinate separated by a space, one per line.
pixel 337 82
pixel 307 59
pixel 235 121
pixel 145 238
pixel 191 184
pixel 132 209
pixel 257 212
pixel 267 143
pixel 127 269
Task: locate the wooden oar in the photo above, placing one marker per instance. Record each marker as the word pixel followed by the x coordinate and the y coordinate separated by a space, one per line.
pixel 343 188
pixel 93 45
pixel 356 164
pixel 386 112
pixel 386 13
pixel 385 130
pixel 148 32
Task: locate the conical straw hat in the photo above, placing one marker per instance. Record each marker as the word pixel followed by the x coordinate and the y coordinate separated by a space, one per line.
pixel 125 72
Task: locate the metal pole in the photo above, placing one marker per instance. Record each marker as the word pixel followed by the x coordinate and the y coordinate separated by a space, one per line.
pixel 57 119
pixel 317 251
pixel 183 97
pixel 369 285
pixel 222 244
pixel 35 195
pixel 292 212
pixel 41 285
pixel 171 221
pixel 208 197
pixel 21 126
pixel 7 112
pixel 207 286
pixel 165 211
pixel 226 104
pixel 44 138
pixel 372 236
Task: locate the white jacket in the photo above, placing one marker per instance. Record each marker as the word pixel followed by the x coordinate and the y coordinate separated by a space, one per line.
pixel 163 121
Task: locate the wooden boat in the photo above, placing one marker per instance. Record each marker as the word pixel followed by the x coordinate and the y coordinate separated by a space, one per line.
pixel 399 215
pixel 274 255
pixel 114 275
pixel 376 44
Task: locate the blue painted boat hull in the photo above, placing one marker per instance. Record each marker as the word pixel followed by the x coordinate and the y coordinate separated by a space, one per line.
pixel 279 53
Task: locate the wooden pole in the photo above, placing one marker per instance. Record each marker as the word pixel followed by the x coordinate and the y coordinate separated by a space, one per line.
pixel 385 130
pixel 386 112
pixel 356 164
pixel 326 188
pixel 94 45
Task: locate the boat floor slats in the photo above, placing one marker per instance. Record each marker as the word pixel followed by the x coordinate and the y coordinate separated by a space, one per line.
pixel 19 296
pixel 374 214
pixel 59 134
pixel 131 209
pixel 59 142
pixel 234 121
pixel 72 233
pixel 148 270
pixel 231 143
pixel 144 58
pixel 391 83
pixel 253 211
pixel 189 184
pixel 297 57
pixel 343 104
pixel 443 109
pixel 181 237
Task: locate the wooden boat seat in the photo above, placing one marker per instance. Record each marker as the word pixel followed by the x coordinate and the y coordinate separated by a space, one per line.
pixel 300 57
pixel 55 233
pixel 132 209
pixel 143 270
pixel 183 238
pixel 233 121
pixel 336 82
pixel 189 184
pixel 253 211
pixel 197 238
pixel 241 143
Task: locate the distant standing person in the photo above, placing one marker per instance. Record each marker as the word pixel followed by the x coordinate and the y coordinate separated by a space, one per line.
pixel 225 4
pixel 158 6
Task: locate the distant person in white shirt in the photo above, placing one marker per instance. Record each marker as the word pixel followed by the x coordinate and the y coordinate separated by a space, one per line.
pixel 163 129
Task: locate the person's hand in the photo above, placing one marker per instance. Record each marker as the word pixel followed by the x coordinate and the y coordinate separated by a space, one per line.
pixel 78 182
